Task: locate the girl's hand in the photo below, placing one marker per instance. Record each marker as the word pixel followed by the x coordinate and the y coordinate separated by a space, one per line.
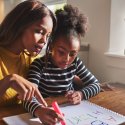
pixel 47 115
pixel 74 97
pixel 25 89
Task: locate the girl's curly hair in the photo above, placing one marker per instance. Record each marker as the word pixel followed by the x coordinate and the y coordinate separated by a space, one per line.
pixel 69 22
pixel 69 19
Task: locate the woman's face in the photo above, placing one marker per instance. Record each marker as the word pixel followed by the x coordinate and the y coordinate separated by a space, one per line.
pixel 36 36
pixel 64 51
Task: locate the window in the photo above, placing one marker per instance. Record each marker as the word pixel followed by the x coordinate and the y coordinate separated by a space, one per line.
pixel 117 28
pixel 55 4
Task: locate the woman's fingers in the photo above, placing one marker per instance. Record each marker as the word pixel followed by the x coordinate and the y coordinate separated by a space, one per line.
pixel 25 89
pixel 29 93
pixel 25 92
pixel 39 97
pixel 22 96
pixel 34 92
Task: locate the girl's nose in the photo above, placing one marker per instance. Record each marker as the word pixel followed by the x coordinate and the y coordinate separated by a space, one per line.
pixel 67 57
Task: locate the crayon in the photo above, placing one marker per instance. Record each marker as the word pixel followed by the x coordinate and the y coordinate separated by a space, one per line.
pixel 57 109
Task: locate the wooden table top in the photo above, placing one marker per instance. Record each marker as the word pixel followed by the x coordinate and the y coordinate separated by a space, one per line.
pixel 111 99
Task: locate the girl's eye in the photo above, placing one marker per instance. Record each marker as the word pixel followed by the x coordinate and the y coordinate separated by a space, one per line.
pixel 61 52
pixel 73 54
pixel 37 31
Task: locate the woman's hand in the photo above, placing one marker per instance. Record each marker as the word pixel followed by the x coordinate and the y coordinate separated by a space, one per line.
pixel 47 115
pixel 25 89
pixel 74 97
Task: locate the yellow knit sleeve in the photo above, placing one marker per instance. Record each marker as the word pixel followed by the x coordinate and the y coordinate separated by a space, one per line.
pixel 9 98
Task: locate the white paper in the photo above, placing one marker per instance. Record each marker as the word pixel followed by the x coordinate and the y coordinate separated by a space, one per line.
pixel 86 113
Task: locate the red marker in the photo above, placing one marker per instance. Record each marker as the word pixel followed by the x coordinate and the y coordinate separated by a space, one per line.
pixel 57 109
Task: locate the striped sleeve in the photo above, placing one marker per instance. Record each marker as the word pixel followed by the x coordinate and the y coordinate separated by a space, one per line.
pixel 90 83
pixel 34 77
pixel 31 106
pixel 34 73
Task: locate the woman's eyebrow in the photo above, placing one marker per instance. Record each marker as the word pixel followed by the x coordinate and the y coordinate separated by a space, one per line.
pixel 41 27
pixel 45 28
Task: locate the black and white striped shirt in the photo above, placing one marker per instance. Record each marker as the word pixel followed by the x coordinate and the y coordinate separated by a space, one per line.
pixel 53 81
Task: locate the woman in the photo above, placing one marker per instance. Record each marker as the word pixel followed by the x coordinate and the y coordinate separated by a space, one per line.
pixel 23 33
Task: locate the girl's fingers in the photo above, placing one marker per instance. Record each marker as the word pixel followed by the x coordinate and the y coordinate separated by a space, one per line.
pixel 75 98
pixel 69 93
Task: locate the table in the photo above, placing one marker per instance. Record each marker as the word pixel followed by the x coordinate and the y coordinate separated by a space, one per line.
pixel 112 99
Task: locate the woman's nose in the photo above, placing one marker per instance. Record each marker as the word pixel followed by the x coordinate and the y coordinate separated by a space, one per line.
pixel 43 39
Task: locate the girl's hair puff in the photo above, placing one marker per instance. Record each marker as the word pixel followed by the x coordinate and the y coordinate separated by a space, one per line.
pixel 69 19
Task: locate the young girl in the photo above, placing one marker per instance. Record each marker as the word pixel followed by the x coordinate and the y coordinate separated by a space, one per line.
pixel 55 75
pixel 23 33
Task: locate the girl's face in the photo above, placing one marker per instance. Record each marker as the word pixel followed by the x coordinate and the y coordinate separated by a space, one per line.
pixel 36 36
pixel 64 51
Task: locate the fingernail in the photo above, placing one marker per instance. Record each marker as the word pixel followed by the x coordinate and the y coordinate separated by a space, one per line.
pixel 46 104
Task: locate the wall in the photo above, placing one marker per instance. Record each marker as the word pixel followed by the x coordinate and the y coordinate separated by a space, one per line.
pixel 101 36
pixel 1 10
pixel 98 12
pixel 9 5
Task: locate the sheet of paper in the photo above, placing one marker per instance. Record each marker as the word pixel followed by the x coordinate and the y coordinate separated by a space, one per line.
pixel 22 119
pixel 85 113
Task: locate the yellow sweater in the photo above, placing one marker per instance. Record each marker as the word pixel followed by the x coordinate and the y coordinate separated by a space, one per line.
pixel 11 63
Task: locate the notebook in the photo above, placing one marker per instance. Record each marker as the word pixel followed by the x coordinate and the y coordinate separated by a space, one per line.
pixel 86 113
